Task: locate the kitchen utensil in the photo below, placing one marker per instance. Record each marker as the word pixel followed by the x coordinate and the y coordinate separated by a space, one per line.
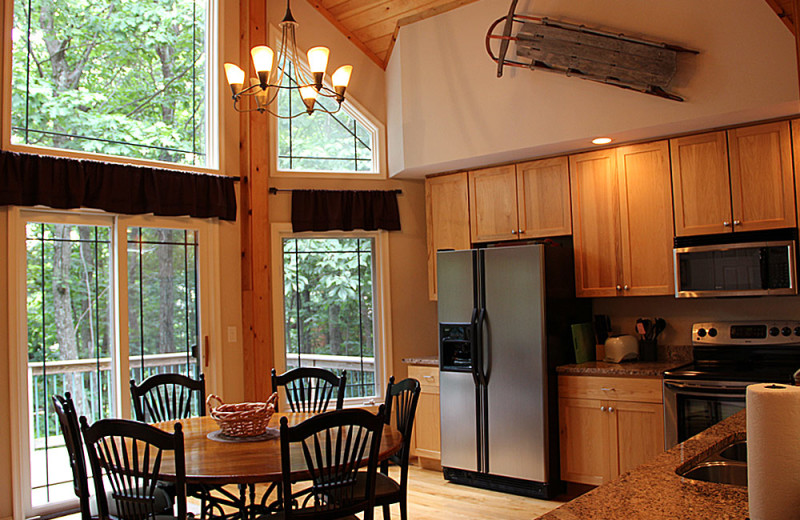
pixel 660 325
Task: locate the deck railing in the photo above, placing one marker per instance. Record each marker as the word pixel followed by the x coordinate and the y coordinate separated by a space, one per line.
pixel 89 381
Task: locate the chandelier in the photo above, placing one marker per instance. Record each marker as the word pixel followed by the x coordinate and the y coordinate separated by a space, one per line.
pixel 288 75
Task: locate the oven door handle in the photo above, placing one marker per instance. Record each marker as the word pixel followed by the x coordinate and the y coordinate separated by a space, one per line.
pixel 705 391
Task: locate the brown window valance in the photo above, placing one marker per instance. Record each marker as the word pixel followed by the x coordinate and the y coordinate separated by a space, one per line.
pixel 325 210
pixel 63 183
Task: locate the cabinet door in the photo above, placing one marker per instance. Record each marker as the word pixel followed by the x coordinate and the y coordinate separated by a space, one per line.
pixel 585 441
pixel 595 223
pixel 640 432
pixel 762 180
pixel 543 198
pixel 645 191
pixel 447 207
pixel 700 184
pixel 427 429
pixel 493 201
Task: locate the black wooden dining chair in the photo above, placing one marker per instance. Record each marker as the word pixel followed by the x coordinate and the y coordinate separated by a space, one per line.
pixel 329 448
pixel 402 399
pixel 310 389
pixel 68 419
pixel 130 454
pixel 165 397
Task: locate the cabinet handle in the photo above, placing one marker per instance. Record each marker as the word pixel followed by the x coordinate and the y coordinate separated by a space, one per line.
pixel 725 223
pixel 737 222
pixel 429 378
pixel 619 287
pixel 607 389
pixel 521 231
pixel 626 287
pixel 610 409
pixel 513 231
pixel 602 408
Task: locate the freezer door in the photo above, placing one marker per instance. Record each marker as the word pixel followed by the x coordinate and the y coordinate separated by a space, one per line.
pixel 514 358
pixel 456 288
pixel 459 427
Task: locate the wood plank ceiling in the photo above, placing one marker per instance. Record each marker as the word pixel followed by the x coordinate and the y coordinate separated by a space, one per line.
pixel 372 25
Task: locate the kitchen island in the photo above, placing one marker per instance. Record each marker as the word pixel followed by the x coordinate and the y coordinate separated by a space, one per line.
pixel 655 491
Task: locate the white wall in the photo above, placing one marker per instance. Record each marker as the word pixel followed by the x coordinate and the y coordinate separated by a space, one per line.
pixel 448 110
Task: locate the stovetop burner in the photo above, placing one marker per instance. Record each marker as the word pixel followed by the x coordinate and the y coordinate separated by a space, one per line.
pixel 757 352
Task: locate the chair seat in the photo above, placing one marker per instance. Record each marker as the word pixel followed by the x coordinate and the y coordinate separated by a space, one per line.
pixel 163 503
pixel 385 487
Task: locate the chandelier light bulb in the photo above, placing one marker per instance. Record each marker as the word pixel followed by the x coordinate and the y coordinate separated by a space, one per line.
pixel 262 58
pixel 318 59
pixel 340 80
pixel 235 77
pixel 309 95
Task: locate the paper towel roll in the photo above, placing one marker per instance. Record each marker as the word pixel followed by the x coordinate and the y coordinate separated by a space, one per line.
pixel 773 451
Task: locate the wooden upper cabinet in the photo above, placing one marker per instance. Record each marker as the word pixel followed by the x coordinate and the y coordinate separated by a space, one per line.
pixel 595 223
pixel 493 199
pixel 700 184
pixel 447 209
pixel 646 219
pixel 543 198
pixel 762 180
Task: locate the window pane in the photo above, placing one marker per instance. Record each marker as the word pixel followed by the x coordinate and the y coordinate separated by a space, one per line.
pixel 124 78
pixel 322 142
pixel 328 308
pixel 69 342
pixel 162 301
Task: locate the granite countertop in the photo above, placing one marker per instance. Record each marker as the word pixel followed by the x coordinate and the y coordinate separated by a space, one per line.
pixel 654 491
pixel 432 361
pixel 628 368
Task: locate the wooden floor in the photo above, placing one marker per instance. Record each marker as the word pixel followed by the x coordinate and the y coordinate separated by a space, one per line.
pixel 430 497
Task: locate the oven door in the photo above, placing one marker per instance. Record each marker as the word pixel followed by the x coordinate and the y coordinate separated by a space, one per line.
pixel 693 406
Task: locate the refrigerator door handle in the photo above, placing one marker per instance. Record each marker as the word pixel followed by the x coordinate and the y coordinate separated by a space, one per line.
pixel 473 346
pixel 478 367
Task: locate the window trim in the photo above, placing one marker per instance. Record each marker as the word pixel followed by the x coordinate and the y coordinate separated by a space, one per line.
pixel 360 113
pixel 209 316
pixel 215 19
pixel 382 309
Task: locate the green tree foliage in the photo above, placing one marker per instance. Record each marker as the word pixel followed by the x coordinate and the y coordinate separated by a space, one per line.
pixel 119 77
pixel 328 296
pixel 321 142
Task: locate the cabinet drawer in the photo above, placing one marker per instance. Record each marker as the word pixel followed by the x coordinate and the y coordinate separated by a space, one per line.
pixel 427 376
pixel 639 389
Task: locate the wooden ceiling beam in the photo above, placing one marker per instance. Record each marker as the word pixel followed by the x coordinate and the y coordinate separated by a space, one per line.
pixel 349 34
pixel 784 13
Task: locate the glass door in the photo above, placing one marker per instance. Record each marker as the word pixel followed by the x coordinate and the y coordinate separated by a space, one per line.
pixel 80 268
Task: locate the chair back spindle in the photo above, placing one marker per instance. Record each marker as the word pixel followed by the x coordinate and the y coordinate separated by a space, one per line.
pixel 166 397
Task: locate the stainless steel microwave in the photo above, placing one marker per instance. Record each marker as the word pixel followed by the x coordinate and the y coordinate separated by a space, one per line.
pixel 757 263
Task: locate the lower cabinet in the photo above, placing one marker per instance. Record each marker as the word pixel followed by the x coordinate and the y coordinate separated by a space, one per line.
pixel 427 437
pixel 608 425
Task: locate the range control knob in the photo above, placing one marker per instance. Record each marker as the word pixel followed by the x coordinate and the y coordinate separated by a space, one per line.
pixel 712 332
pixel 701 333
pixel 774 331
pixel 786 331
pixel 797 331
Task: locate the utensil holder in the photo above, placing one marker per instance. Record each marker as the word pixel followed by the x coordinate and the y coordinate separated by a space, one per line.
pixel 648 350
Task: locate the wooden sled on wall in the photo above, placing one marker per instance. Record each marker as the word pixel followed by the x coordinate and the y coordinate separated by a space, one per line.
pixel 592 54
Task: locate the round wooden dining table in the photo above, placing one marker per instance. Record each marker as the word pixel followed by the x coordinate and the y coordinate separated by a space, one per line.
pixel 214 462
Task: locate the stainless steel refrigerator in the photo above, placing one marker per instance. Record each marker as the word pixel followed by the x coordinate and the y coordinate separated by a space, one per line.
pixel 504 324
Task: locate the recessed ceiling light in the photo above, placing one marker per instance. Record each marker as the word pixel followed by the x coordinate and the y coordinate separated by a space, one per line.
pixel 601 140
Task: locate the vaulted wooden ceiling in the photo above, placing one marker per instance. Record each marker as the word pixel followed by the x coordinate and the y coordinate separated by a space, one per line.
pixel 372 25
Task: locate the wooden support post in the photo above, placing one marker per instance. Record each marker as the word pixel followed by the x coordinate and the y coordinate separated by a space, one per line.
pixel 256 286
pixel 793 27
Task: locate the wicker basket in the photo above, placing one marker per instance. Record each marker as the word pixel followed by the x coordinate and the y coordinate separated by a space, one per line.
pixel 242 419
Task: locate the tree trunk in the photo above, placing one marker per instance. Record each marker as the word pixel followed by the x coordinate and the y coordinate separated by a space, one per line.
pixel 166 285
pixel 62 301
pixel 334 334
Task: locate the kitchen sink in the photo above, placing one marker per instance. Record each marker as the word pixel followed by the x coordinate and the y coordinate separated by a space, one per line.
pixel 736 451
pixel 720 472
pixel 727 465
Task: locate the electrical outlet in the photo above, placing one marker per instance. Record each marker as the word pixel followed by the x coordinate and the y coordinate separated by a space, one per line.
pixel 232 334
